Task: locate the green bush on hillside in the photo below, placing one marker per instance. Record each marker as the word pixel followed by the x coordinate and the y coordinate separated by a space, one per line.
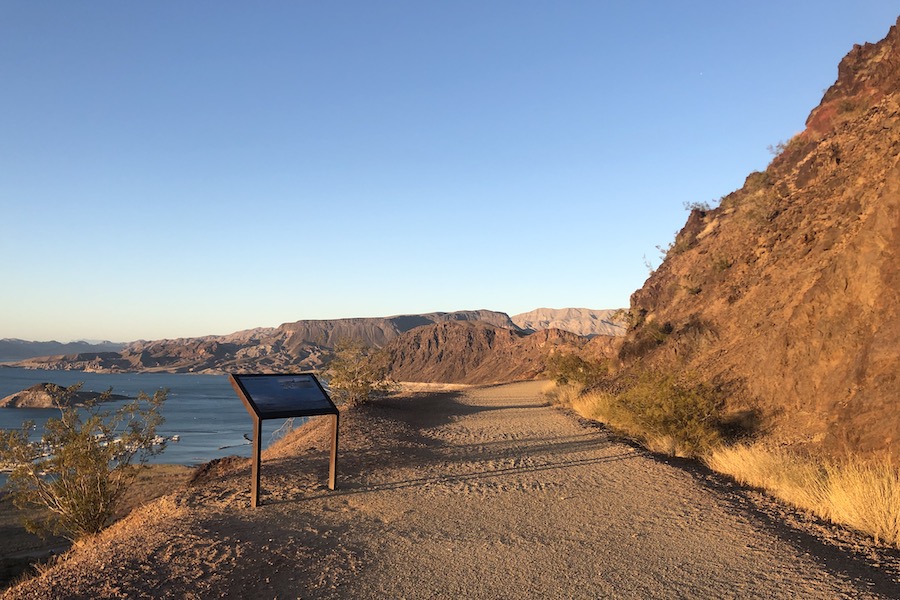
pixel 666 406
pixel 677 415
pixel 84 462
pixel 571 368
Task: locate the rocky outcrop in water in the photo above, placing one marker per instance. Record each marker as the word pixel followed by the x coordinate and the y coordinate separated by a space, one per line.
pixel 50 395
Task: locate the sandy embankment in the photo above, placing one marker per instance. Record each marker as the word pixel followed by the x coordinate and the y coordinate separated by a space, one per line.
pixel 478 493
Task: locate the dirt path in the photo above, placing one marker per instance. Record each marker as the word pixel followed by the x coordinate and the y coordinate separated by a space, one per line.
pixel 484 493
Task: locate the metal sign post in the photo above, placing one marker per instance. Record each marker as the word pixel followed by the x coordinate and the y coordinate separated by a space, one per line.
pixel 283 397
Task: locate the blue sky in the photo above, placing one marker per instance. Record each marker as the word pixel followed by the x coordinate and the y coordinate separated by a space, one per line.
pixel 190 168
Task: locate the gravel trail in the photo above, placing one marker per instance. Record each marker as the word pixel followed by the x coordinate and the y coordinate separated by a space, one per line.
pixel 481 493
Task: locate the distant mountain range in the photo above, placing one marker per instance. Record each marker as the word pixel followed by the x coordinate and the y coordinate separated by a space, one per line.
pixel 581 321
pixel 12 349
pixel 306 344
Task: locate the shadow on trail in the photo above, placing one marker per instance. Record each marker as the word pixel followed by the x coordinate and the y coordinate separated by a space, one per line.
pixel 434 409
pixel 565 442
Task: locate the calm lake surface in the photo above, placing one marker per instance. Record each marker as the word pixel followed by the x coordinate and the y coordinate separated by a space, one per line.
pixel 203 410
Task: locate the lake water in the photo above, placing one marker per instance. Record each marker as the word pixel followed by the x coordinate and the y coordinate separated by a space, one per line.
pixel 203 410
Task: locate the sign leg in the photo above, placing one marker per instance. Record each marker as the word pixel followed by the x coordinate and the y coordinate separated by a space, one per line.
pixel 254 476
pixel 332 469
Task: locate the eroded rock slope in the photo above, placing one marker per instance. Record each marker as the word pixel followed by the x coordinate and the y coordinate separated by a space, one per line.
pixel 787 294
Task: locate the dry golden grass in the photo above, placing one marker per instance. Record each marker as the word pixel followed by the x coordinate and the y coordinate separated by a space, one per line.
pixel 564 395
pixel 862 494
pixel 416 386
pixel 597 406
pixel 866 496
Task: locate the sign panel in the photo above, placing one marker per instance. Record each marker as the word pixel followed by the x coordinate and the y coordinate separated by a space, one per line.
pixel 284 396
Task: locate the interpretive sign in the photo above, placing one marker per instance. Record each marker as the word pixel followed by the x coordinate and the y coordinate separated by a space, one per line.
pixel 283 397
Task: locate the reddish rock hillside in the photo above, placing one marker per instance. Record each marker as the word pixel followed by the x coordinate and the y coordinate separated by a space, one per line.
pixel 473 352
pixel 787 294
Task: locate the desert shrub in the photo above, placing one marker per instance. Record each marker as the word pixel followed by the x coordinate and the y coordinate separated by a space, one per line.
pixel 658 331
pixel 675 247
pixel 356 372
pixel 757 180
pixel 626 317
pixel 608 408
pixel 647 335
pixel 666 407
pixel 792 149
pixel 851 107
pixel 571 368
pixel 779 148
pixel 591 404
pixel 722 263
pixel 699 205
pixel 676 415
pixel 860 493
pixel 84 462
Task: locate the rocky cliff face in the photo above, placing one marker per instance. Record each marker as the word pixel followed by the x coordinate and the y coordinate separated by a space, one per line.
pixel 788 294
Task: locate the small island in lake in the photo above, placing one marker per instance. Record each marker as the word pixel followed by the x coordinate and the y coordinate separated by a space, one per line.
pixel 42 395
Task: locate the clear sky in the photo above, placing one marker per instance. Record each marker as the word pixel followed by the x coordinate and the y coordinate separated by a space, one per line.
pixel 172 169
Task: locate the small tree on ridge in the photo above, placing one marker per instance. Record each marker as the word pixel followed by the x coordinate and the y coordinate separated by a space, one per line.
pixel 355 372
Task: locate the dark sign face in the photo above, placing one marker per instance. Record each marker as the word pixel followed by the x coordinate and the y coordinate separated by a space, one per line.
pixel 282 396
